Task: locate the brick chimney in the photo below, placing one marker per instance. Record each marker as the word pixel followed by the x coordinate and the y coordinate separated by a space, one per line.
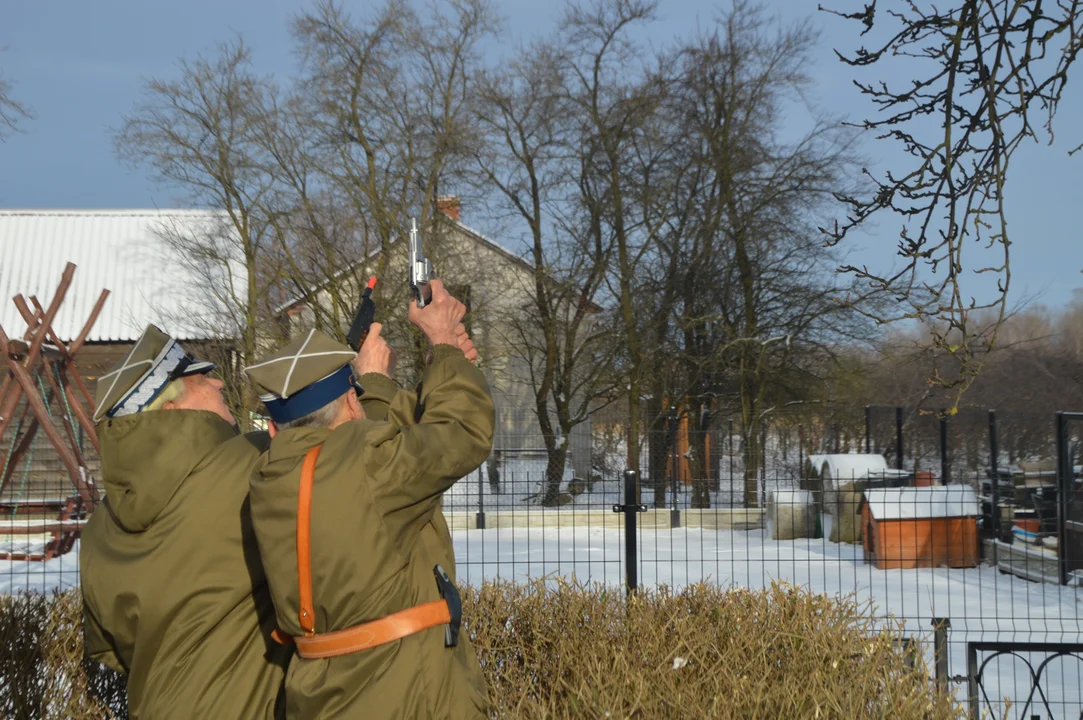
pixel 449 205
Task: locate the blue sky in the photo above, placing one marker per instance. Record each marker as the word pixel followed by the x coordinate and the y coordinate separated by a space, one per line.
pixel 79 65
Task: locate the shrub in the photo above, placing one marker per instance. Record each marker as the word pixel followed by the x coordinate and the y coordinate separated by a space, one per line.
pixel 43 673
pixel 561 650
pixel 22 679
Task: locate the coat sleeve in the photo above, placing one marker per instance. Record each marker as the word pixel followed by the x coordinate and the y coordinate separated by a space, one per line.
pixel 379 392
pixel 97 644
pixel 433 438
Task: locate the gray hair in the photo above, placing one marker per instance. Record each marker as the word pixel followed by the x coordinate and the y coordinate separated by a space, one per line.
pixel 175 390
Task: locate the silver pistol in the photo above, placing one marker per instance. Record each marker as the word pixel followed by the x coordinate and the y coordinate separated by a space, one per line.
pixel 421 271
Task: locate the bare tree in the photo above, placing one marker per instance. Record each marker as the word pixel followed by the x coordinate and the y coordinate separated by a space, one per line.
pixel 739 295
pixel 12 112
pixel 1034 373
pixel 319 242
pixel 778 309
pixel 987 75
pixel 390 119
pixel 317 182
pixel 613 96
pixel 531 161
pixel 198 133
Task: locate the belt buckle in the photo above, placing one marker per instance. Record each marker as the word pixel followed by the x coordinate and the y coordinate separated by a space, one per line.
pixel 450 594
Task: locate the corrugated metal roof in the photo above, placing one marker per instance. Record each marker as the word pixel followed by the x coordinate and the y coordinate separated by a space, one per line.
pixel 119 250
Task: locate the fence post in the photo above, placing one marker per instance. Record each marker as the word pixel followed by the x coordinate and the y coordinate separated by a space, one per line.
pixel 868 430
pixel 972 680
pixel 994 472
pixel 480 518
pixel 940 651
pixel 944 470
pixel 674 511
pixel 898 438
pixel 1064 486
pixel 630 508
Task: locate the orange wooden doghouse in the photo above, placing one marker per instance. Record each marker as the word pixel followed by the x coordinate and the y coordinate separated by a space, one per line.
pixel 920 527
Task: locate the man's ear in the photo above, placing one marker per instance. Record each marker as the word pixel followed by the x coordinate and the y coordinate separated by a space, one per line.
pixel 353 406
pixel 272 429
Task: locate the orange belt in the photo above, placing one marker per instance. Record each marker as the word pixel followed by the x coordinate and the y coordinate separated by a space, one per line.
pixel 360 637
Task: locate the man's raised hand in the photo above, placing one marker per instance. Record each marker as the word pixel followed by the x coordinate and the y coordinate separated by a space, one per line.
pixel 375 356
pixel 440 318
pixel 466 344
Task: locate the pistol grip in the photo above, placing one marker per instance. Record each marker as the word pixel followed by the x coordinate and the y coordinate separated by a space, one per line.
pixel 423 294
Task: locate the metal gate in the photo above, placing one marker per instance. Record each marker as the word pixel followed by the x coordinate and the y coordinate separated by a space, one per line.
pixel 1069 501
pixel 1034 701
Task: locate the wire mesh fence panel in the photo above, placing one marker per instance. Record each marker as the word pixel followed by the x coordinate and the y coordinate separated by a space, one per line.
pixel 40 513
pixel 537 506
pixel 792 497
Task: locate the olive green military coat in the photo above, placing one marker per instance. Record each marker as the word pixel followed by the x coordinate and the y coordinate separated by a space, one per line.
pixel 173 588
pixel 377 532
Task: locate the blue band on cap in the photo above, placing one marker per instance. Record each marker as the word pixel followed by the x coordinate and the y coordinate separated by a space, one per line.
pixel 311 398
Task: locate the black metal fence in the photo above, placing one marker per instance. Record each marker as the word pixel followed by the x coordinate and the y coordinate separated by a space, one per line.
pixel 963 541
pixel 1027 672
pixel 928 520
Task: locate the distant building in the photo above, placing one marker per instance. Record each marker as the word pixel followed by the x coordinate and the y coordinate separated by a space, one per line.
pixel 119 250
pixel 122 251
pixel 125 252
pixel 498 287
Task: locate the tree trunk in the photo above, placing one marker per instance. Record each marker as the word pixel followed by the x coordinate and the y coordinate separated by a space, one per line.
pixel 717 446
pixel 554 474
pixel 752 466
pixel 493 471
pixel 697 460
pixel 658 449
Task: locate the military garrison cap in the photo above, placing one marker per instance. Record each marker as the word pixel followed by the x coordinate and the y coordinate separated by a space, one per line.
pixel 303 376
pixel 153 362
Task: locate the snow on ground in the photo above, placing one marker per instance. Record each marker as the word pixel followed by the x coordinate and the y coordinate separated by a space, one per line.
pixel 520 490
pixel 981 603
pixel 61 573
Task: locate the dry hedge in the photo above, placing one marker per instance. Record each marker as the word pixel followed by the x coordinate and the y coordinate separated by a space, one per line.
pixel 562 650
pixel 43 673
pixel 558 649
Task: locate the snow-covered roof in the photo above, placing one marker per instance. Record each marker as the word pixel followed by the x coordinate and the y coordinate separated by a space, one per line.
pixel 119 250
pixel 943 501
pixel 847 467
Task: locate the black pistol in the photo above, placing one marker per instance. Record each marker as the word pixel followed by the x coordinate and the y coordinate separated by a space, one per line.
pixel 366 313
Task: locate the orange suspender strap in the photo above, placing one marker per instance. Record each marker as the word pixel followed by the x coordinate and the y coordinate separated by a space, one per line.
pixel 361 637
pixel 307 613
pixel 372 634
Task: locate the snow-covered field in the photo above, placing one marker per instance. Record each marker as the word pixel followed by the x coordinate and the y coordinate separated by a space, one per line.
pixel 981 603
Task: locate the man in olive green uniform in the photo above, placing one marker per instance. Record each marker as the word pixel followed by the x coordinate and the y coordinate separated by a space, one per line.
pixel 370 541
pixel 173 587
